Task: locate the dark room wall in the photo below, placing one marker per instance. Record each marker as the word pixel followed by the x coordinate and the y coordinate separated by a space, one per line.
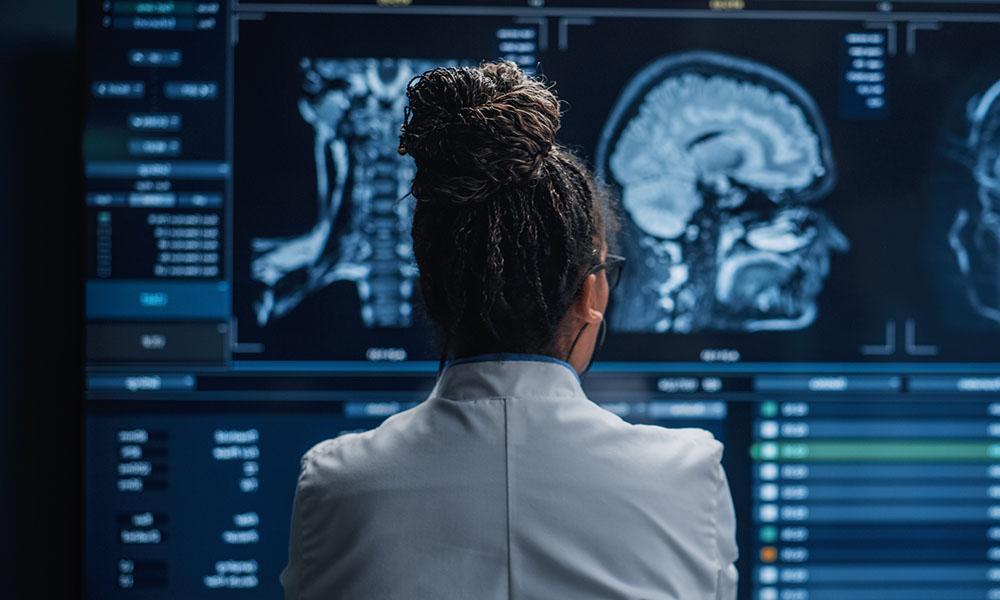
pixel 39 299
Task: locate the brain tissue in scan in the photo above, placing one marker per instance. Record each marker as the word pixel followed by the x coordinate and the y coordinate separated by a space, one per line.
pixel 974 236
pixel 362 228
pixel 718 162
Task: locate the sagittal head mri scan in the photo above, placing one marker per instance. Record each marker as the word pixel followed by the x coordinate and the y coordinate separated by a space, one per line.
pixel 363 215
pixel 719 162
pixel 975 234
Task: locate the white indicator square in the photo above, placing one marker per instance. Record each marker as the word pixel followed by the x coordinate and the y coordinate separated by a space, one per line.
pixel 768 513
pixel 768 429
pixel 768 492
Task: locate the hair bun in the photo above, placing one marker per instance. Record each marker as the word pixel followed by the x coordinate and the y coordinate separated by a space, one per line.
pixel 473 130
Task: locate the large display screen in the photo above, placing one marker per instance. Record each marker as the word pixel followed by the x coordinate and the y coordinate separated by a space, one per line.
pixel 810 204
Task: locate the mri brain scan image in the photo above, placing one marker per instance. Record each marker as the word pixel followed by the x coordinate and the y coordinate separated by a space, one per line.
pixel 362 228
pixel 719 162
pixel 975 234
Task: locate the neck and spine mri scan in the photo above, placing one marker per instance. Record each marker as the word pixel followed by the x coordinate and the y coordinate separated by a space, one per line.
pixel 363 216
pixel 975 234
pixel 718 161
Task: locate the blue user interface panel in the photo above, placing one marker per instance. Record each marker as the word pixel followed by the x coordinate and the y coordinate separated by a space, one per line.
pixel 810 205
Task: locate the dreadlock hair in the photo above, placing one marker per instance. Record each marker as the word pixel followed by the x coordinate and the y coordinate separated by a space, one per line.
pixel 506 220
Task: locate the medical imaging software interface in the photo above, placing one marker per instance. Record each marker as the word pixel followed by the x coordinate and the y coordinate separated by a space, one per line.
pixel 809 196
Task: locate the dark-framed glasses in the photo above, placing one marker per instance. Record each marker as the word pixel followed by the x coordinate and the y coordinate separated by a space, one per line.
pixel 612 266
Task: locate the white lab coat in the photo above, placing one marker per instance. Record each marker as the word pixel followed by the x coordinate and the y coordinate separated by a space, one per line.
pixel 508 483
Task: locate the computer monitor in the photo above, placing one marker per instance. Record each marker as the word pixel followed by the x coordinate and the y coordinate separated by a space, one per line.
pixel 809 195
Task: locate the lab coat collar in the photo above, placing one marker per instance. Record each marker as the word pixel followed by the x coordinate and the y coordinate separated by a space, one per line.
pixel 508 375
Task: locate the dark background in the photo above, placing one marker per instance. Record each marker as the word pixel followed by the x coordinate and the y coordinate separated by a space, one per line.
pixel 40 300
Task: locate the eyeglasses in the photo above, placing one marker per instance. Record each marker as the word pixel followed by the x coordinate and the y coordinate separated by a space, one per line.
pixel 612 267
